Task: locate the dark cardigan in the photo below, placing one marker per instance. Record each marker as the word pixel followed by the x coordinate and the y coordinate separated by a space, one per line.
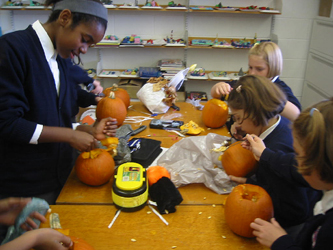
pixel 28 97
pixel 292 197
pixel 318 228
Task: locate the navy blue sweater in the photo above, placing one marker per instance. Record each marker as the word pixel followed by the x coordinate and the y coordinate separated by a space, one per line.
pixel 79 76
pixel 292 197
pixel 29 97
pixel 322 224
pixel 284 87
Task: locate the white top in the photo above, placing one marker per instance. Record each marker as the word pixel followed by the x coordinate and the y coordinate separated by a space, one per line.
pixel 325 204
pixel 264 134
pixel 51 56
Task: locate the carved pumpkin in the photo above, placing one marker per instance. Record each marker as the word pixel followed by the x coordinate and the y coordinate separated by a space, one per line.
pixel 111 106
pixel 155 173
pixel 243 205
pixel 95 167
pixel 238 161
pixel 215 113
pixel 120 93
pixel 80 244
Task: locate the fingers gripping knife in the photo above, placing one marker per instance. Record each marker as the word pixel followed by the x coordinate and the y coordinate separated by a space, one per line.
pixel 177 81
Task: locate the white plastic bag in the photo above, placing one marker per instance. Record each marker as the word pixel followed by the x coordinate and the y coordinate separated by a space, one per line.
pixel 192 160
pixel 152 100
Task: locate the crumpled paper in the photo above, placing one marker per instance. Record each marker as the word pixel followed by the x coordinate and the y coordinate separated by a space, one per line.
pixel 192 160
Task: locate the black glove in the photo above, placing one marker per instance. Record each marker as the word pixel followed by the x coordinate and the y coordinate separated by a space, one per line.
pixel 166 195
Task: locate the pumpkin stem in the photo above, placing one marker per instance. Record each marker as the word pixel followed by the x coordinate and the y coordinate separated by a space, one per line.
pixel 112 95
pixel 114 87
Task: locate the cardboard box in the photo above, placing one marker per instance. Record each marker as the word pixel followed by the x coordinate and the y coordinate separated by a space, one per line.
pixel 325 8
pixel 132 86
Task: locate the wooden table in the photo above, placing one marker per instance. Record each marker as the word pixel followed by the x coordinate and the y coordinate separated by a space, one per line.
pixel 75 192
pixel 190 228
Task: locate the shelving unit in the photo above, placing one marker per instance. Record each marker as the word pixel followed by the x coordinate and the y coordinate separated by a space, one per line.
pixel 185 23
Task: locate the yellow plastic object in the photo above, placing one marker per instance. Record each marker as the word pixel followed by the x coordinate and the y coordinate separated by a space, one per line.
pixel 191 128
pixel 130 187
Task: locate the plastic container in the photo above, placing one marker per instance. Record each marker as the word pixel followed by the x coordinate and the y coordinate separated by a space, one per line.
pixel 130 187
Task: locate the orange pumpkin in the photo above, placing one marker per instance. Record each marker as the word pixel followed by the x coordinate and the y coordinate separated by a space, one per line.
pixel 111 106
pixel 238 161
pixel 243 205
pixel 120 93
pixel 215 113
pixel 80 244
pixel 95 167
pixel 155 173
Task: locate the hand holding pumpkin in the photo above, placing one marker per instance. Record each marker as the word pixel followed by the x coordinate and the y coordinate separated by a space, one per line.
pixel 239 180
pixel 82 141
pixel 105 127
pixel 267 232
pixel 40 239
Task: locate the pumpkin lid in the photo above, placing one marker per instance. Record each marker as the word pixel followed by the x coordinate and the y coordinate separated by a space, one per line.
pixel 130 176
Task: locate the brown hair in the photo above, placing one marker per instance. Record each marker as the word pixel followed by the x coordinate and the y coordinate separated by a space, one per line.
pixel 272 55
pixel 260 99
pixel 314 131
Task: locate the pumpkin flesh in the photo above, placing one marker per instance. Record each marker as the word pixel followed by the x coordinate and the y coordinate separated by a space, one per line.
pixel 243 205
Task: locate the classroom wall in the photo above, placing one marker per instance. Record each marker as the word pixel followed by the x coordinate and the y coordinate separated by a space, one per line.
pixel 292 32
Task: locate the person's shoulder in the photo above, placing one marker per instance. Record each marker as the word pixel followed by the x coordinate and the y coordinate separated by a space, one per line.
pixel 17 39
pixel 281 136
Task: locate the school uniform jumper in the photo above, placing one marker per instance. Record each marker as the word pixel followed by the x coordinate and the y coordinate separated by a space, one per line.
pixel 316 235
pixel 79 76
pixel 277 174
pixel 284 87
pixel 29 97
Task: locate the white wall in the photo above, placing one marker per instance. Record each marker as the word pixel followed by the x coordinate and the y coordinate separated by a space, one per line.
pixel 292 30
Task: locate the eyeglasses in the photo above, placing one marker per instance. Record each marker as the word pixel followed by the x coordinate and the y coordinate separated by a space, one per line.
pixel 238 119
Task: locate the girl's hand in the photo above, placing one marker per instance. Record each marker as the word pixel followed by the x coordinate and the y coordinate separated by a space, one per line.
pixel 220 89
pixel 98 88
pixel 255 144
pixel 51 240
pixel 267 232
pixel 30 224
pixel 82 141
pixel 239 180
pixel 10 208
pixel 105 127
